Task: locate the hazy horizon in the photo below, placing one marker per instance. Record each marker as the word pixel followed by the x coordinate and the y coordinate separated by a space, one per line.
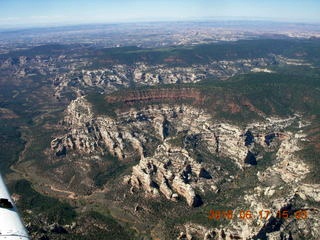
pixel 32 13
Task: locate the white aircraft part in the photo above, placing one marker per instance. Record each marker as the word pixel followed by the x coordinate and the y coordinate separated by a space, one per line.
pixel 11 227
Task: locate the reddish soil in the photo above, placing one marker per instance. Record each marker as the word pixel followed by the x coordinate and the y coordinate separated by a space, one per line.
pixel 233 107
pixel 158 94
pixel 252 108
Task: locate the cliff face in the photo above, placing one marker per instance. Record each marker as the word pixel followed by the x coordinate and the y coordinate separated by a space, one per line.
pixel 172 172
pixel 158 95
pixel 177 149
pixel 166 139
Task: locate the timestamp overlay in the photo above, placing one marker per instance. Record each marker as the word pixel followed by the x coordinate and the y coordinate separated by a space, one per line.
pixel 264 214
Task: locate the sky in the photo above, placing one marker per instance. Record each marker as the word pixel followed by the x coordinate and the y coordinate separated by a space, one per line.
pixel 29 13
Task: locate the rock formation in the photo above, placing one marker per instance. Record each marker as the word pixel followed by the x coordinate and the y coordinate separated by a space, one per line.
pixel 168 165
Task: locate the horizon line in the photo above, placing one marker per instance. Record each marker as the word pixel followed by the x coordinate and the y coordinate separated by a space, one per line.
pixel 142 20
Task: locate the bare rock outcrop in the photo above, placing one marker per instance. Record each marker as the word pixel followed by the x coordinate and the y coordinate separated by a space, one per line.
pixel 170 171
pixel 165 138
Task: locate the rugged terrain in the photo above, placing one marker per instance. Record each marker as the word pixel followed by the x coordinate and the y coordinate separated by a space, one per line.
pixel 143 143
pixel 172 144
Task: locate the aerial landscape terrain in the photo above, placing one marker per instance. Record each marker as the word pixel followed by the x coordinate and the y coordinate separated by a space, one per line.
pixel 201 129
